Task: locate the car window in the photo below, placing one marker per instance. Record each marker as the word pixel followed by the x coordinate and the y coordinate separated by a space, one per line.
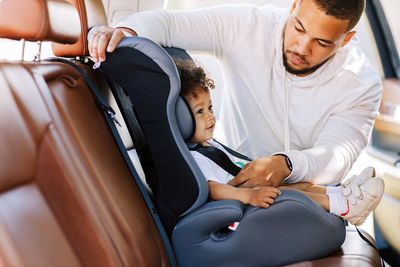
pixel 12 50
pixel 391 9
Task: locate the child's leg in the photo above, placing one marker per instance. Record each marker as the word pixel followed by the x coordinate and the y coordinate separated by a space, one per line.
pixel 307 187
pixel 354 201
pixel 321 198
pixel 334 203
pixel 366 174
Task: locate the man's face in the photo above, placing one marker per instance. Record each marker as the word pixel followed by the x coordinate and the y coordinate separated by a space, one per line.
pixel 311 37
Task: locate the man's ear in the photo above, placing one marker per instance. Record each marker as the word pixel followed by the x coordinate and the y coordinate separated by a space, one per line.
pixel 293 7
pixel 348 37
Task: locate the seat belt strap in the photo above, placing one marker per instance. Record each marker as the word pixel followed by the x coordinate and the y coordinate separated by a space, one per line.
pixel 372 245
pixel 233 152
pixel 219 157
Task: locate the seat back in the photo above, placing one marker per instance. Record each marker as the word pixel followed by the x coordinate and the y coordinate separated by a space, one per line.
pixel 67 196
pixel 151 81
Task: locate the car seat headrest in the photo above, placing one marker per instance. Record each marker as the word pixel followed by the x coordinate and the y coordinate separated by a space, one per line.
pixel 185 119
pixel 91 13
pixel 184 115
pixel 39 20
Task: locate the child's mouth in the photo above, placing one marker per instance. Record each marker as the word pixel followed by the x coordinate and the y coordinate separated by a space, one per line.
pixel 211 127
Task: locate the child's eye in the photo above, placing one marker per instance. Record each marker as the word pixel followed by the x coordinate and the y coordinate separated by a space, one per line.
pixel 200 111
pixel 210 108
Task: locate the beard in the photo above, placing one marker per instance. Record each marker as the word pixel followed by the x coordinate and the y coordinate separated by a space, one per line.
pixel 301 71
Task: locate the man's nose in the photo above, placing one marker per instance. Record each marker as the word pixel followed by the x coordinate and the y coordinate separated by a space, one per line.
pixel 304 46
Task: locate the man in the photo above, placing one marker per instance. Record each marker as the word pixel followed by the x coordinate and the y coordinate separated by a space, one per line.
pixel 296 87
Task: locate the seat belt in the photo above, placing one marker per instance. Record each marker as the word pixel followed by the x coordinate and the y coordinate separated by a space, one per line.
pixel 219 157
pixel 372 245
pixel 233 152
pixel 135 130
pixel 109 115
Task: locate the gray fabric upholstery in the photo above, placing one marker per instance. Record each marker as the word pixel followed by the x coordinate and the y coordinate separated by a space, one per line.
pixel 293 229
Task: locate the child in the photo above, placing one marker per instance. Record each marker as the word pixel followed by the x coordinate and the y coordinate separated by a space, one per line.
pixel 353 201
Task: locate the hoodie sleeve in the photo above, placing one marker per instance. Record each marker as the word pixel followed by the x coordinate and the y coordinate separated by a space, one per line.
pixel 339 144
pixel 207 29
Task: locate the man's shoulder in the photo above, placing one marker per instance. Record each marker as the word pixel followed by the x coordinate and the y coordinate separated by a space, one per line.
pixel 270 12
pixel 359 66
pixel 274 13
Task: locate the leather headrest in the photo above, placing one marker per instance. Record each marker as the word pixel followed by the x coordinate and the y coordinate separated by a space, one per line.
pixel 39 20
pixel 91 13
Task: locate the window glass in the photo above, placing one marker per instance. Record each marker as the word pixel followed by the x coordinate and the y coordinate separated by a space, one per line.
pixel 12 50
pixel 391 9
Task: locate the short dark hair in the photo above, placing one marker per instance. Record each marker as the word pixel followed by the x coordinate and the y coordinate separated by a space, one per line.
pixel 192 77
pixel 350 10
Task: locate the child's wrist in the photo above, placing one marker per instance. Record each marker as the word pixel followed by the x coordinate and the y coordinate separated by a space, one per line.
pixel 244 195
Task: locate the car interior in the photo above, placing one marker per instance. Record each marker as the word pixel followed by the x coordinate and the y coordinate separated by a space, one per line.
pixel 74 191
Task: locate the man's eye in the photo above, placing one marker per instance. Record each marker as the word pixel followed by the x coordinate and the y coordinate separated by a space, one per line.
pixel 322 44
pixel 298 29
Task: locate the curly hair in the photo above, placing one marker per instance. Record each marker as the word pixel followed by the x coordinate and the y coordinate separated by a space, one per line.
pixel 192 78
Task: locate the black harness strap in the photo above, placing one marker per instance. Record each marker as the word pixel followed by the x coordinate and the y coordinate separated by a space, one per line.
pixel 218 156
pixel 233 152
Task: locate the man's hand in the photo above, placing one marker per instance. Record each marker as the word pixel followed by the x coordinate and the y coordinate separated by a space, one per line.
pixel 104 39
pixel 268 171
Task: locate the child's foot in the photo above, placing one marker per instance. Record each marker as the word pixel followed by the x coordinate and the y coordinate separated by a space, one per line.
pixel 359 207
pixel 362 177
pixel 352 185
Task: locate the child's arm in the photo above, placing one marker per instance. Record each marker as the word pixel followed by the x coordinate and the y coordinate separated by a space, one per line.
pixel 260 197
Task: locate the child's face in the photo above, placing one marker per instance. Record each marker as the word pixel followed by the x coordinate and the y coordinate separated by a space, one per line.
pixel 205 121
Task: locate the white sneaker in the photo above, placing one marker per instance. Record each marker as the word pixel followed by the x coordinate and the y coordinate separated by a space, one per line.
pixel 352 185
pixel 371 194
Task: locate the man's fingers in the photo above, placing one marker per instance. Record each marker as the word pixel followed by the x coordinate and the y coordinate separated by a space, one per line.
pixel 94 45
pixel 115 39
pixel 91 42
pixel 237 180
pixel 241 177
pixel 245 167
pixel 102 45
pixel 104 39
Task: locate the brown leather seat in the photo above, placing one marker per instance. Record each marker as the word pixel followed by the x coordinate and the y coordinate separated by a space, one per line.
pixel 354 252
pixel 67 197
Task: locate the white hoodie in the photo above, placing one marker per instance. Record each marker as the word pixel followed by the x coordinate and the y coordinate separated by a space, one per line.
pixel 321 121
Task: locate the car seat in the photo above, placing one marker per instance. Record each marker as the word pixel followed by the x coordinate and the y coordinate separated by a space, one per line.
pixel 293 229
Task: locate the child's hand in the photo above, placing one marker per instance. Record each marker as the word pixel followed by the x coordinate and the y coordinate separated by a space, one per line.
pixel 263 196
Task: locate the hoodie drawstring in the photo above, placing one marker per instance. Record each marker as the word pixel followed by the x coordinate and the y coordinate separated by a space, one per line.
pixel 286 116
